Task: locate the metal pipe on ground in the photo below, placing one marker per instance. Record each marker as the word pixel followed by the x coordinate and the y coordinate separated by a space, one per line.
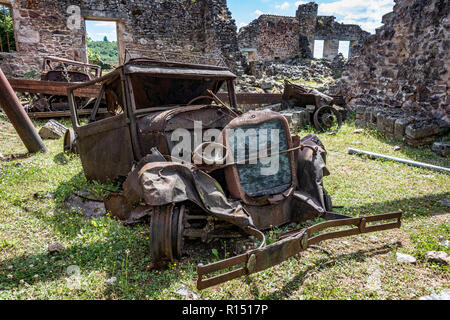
pixel 19 118
pixel 408 162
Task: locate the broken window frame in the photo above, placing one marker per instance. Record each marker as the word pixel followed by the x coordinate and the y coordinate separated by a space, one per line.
pixel 10 42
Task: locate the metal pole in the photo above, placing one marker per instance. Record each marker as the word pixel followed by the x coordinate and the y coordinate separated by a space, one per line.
pixel 408 162
pixel 18 117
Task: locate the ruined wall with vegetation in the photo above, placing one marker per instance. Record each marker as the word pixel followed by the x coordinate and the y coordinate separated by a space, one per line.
pixel 47 27
pixel 399 80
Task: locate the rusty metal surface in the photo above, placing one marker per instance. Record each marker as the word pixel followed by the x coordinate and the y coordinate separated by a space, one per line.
pixel 231 172
pixel 51 63
pixel 263 258
pixel 18 117
pixel 166 232
pixel 299 96
pixel 326 109
pixel 63 76
pixel 163 183
pixel 326 117
pixel 60 88
pixel 62 114
pixel 105 148
pixel 51 88
pixel 155 129
pixel 203 202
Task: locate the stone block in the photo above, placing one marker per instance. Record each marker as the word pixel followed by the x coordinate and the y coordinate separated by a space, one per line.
pixel 389 124
pixel 421 130
pixel 441 148
pixel 360 123
pixel 381 118
pixel 52 130
pixel 400 127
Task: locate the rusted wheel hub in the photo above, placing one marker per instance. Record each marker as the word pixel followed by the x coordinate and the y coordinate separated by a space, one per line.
pixel 166 233
pixel 325 117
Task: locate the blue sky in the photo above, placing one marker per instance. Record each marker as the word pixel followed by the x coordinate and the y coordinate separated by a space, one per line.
pixel 366 13
pixel 97 30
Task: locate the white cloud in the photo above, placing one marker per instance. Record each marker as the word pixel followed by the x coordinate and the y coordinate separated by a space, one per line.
pixel 285 5
pixel 111 24
pixel 367 13
pixel 300 2
pixel 242 24
pixel 258 12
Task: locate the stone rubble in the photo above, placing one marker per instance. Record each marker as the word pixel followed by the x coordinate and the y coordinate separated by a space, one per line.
pixel 186 293
pixel 269 77
pixel 444 295
pixel 405 258
pixel 440 257
pixel 52 130
pixel 441 148
pixel 55 247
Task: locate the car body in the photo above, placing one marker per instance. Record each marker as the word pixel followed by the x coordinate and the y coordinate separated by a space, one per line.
pixel 255 175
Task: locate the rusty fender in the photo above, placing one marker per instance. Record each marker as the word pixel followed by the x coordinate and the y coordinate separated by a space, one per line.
pixel 290 244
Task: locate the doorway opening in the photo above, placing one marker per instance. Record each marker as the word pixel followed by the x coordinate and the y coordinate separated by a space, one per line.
pixel 344 48
pixel 318 49
pixel 102 43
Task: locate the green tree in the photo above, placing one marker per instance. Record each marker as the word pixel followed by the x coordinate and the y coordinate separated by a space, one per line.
pixel 7 40
pixel 103 53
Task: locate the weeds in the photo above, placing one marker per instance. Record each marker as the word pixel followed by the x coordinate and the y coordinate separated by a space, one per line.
pixel 33 216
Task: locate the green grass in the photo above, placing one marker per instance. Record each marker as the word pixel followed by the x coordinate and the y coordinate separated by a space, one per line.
pixel 33 189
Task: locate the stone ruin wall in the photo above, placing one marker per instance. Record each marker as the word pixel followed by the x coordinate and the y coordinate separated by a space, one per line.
pixel 272 37
pixel 399 80
pixel 44 27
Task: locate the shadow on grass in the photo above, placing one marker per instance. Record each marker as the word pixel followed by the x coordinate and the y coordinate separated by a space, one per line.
pixel 17 156
pixel 110 258
pixel 429 205
pixel 61 158
pixel 108 253
pixel 322 264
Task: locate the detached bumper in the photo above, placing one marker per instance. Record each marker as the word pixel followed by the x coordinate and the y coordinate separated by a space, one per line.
pixel 291 244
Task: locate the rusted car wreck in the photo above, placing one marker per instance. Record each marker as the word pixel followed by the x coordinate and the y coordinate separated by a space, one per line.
pixel 325 111
pixel 216 185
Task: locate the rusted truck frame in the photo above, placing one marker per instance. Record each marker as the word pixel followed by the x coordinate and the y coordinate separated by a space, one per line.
pixel 147 101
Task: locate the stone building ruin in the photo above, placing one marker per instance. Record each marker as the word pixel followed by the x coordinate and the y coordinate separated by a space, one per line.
pixel 398 81
pixel 271 37
pixel 57 28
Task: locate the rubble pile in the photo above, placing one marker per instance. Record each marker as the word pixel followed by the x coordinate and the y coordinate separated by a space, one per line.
pixel 269 77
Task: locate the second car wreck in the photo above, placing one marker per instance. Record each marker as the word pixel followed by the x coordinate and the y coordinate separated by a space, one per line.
pixel 202 170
